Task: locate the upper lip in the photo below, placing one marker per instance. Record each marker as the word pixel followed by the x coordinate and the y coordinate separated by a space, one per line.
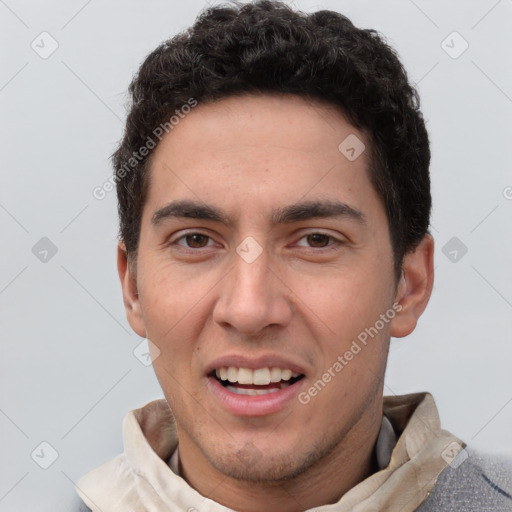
pixel 253 363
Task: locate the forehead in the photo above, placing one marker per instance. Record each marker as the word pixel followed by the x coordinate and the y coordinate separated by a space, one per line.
pixel 252 152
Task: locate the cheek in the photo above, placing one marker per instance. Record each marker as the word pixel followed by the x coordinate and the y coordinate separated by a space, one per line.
pixel 174 309
pixel 167 294
pixel 347 301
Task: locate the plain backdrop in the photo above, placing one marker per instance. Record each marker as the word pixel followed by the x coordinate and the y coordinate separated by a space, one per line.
pixel 69 367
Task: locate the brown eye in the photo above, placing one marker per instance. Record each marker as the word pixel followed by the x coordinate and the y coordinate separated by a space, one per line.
pixel 196 240
pixel 318 240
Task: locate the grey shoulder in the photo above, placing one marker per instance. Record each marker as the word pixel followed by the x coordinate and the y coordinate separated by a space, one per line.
pixel 473 482
pixel 83 508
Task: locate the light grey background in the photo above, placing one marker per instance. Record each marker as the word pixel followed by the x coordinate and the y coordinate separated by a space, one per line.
pixel 68 372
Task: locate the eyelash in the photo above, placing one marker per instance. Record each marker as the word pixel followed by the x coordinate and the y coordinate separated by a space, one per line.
pixel 336 241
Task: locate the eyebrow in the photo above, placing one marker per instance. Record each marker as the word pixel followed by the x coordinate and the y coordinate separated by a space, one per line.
pixel 305 210
pixel 190 210
pixel 316 210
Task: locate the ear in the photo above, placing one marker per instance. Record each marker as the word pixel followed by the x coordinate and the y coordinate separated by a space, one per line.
pixel 130 295
pixel 414 288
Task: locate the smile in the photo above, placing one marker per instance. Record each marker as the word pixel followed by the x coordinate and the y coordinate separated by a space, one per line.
pixel 261 381
pixel 264 391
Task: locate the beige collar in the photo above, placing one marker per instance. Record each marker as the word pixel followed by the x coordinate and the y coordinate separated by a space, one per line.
pixel 140 480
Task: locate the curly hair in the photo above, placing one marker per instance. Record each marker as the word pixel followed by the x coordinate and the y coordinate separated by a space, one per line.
pixel 265 47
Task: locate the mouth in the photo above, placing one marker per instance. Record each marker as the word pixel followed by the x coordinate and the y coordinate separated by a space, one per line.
pixel 261 381
pixel 260 386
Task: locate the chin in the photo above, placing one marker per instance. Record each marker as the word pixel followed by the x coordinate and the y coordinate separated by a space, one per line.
pixel 251 465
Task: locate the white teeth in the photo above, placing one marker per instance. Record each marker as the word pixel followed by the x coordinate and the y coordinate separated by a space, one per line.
pixel 232 374
pixel 275 375
pixel 251 392
pixel 286 374
pixel 244 376
pixel 261 377
pixel 258 377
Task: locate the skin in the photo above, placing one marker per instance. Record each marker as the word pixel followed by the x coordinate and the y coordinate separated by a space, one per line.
pixel 305 298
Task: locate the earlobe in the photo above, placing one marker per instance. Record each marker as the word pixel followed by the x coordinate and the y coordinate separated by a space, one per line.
pixel 130 293
pixel 414 288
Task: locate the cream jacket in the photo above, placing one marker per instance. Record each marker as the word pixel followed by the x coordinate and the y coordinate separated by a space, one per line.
pixel 411 451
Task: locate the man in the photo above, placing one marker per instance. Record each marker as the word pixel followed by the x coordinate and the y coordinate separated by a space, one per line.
pixel 274 203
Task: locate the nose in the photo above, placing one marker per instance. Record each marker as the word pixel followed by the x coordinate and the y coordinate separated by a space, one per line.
pixel 253 297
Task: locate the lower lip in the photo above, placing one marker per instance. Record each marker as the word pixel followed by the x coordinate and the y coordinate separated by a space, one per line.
pixel 257 405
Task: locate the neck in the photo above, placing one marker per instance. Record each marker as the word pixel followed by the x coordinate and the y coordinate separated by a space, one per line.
pixel 349 463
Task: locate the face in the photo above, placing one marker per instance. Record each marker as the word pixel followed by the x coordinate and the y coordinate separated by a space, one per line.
pixel 264 261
